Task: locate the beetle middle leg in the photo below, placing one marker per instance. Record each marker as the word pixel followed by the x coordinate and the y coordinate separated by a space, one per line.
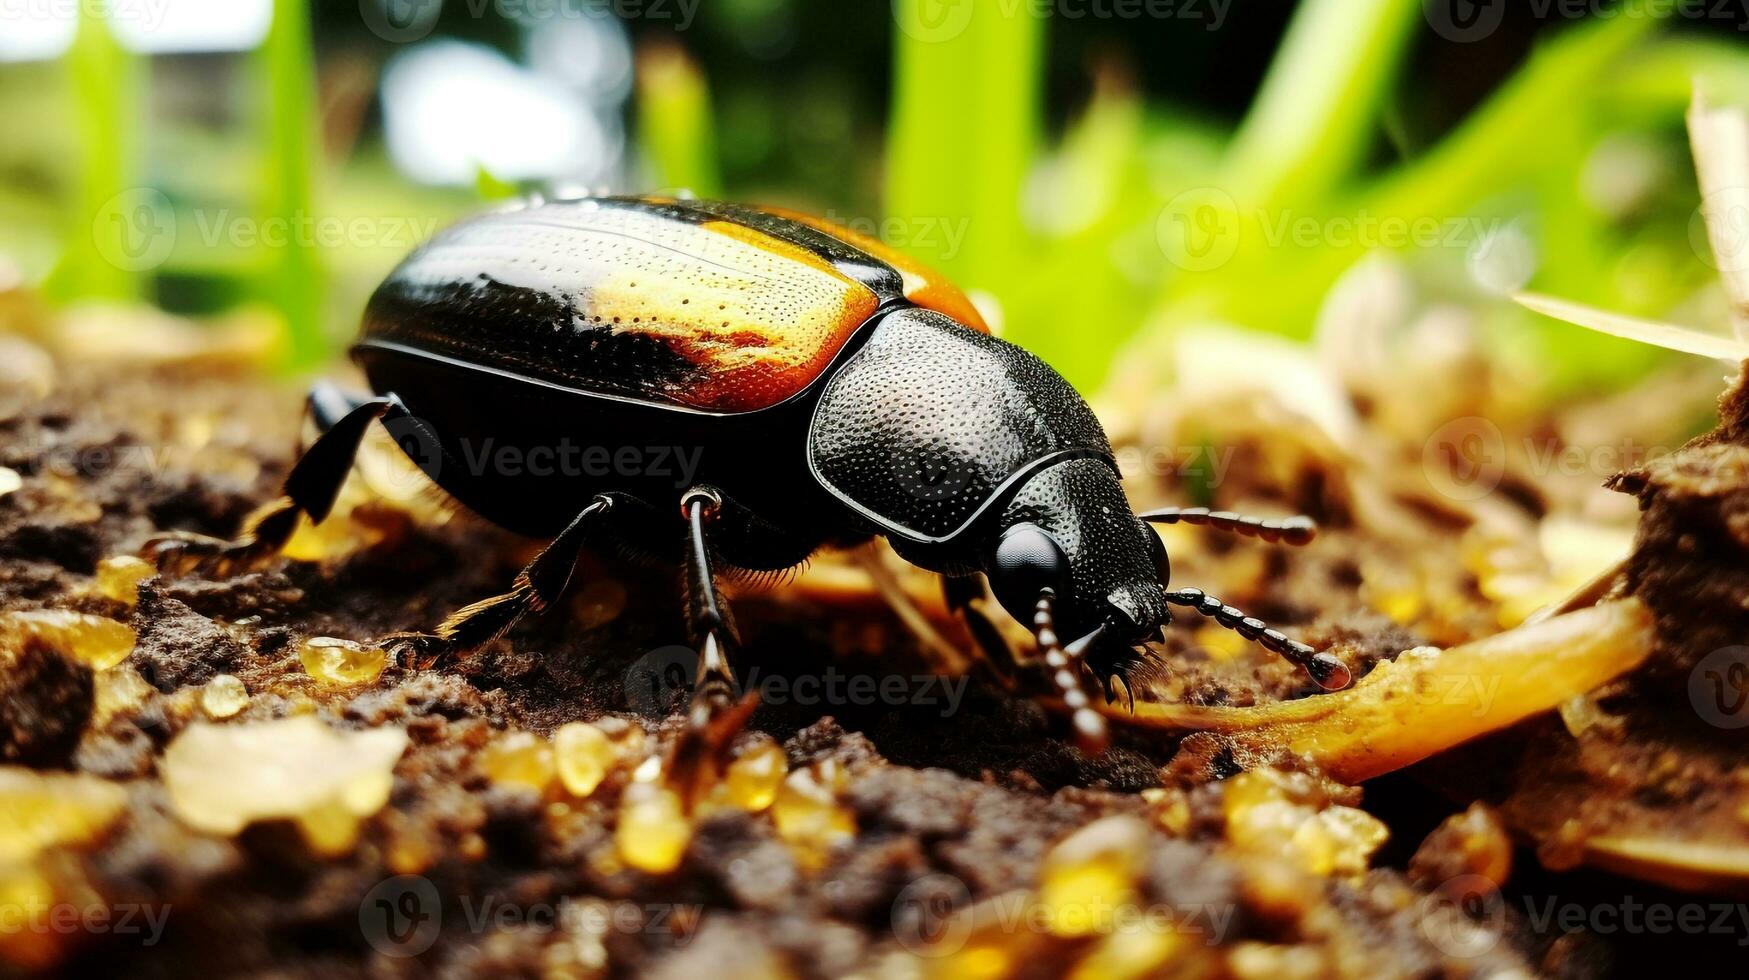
pixel 540 584
pixel 714 716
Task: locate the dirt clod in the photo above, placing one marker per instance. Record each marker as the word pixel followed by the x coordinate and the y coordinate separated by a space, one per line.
pixel 45 699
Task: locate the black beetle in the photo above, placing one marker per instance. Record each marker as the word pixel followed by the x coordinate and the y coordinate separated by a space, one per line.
pixel 828 389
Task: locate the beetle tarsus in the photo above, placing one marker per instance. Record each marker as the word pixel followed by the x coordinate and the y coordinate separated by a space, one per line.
pixel 1296 530
pixel 1325 668
pixel 697 757
pixel 264 533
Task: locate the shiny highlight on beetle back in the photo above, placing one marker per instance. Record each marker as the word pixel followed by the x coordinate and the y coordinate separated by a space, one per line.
pixel 688 303
pixel 709 315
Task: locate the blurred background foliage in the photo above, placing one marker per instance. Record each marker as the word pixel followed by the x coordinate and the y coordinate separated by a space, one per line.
pixel 1102 180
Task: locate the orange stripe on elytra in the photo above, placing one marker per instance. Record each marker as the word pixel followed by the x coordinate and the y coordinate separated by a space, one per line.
pixel 923 285
pixel 756 363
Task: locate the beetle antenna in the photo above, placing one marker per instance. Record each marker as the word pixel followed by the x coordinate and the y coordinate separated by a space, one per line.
pixel 1065 663
pixel 1324 667
pixel 1287 530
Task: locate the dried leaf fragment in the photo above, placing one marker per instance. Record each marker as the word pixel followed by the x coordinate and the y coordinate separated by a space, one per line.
pixel 221 778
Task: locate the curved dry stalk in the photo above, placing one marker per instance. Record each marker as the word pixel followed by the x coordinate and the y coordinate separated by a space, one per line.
pixel 1426 702
pixel 1694 866
pixel 1719 137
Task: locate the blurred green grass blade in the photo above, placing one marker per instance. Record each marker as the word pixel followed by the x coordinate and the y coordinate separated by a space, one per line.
pixel 490 187
pixel 964 130
pixel 1496 143
pixel 1074 302
pixel 292 276
pixel 1317 113
pixel 104 232
pixel 1665 74
pixel 1500 148
pixel 675 121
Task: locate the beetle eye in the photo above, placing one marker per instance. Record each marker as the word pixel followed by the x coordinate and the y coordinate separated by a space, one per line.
pixel 1028 561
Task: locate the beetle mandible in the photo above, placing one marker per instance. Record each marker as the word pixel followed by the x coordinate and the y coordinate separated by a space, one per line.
pixel 831 389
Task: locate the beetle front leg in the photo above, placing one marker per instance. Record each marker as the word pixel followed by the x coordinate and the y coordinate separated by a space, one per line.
pixel 310 488
pixel 965 595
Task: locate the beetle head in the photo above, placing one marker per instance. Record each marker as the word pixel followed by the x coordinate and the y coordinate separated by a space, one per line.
pixel 1072 560
pixel 1070 530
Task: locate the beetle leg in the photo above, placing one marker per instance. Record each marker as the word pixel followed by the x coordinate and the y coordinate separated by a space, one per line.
pixel 943 657
pixel 540 584
pixel 966 595
pixel 1066 665
pixel 1288 530
pixel 310 488
pixel 1330 673
pixel 714 715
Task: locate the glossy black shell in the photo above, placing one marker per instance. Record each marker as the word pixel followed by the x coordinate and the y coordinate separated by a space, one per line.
pixel 923 429
pixel 915 426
